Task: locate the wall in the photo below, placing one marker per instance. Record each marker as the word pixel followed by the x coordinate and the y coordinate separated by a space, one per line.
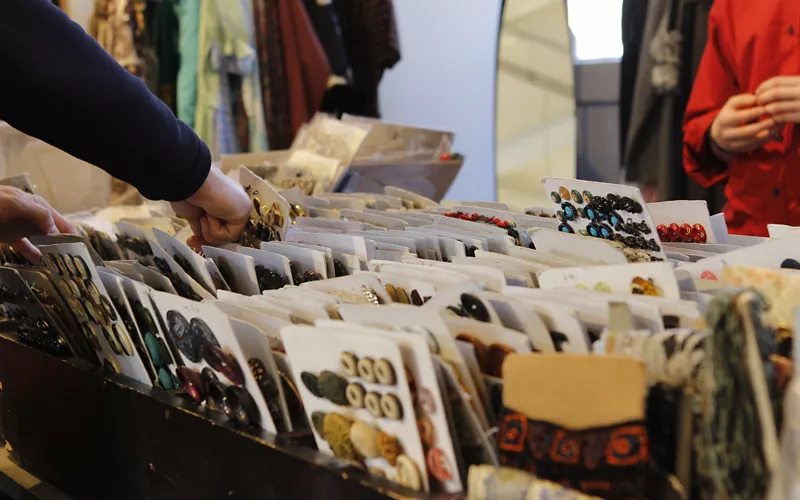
pixel 597 95
pixel 446 80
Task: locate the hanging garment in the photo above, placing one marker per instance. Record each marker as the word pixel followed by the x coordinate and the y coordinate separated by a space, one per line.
pixel 137 139
pixel 189 23
pixel 111 25
pixel 634 13
pixel 325 21
pixel 165 27
pixel 307 67
pixel 762 186
pixel 251 94
pixel 370 36
pixel 647 158
pixel 274 87
pixel 338 98
pixel 224 48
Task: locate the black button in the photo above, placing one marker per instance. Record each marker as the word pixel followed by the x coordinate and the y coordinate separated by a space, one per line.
pixel 791 30
pixel 776 191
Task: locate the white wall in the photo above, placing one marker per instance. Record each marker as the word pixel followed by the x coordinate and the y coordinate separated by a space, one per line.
pixel 446 80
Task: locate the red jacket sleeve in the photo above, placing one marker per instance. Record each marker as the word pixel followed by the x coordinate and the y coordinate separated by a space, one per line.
pixel 714 84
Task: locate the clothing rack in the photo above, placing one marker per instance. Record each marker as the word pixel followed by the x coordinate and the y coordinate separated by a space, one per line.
pixel 292 59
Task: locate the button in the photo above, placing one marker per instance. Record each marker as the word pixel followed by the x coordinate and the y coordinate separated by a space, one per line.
pixel 791 30
pixel 776 192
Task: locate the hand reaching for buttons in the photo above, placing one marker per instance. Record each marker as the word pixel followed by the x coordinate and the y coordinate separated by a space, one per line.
pixel 780 96
pixel 217 212
pixel 22 215
pixel 738 128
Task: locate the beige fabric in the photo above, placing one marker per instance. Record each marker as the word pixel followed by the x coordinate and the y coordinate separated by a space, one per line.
pixel 575 391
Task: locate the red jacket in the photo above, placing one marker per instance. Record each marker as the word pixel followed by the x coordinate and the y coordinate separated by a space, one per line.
pixel 750 41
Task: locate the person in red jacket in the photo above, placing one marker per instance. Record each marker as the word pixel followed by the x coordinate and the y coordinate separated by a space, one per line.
pixel 740 120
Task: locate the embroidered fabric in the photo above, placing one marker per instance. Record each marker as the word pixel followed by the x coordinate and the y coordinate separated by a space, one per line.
pixel 609 462
pixel 673 360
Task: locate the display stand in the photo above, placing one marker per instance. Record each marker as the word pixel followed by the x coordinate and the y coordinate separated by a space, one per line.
pixel 96 437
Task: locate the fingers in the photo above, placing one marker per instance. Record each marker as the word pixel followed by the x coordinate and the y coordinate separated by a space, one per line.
pixel 27 249
pixel 777 94
pixel 192 214
pixel 61 223
pixel 748 115
pixel 38 216
pixel 218 232
pixel 195 241
pixel 742 101
pixel 778 81
pixel 747 132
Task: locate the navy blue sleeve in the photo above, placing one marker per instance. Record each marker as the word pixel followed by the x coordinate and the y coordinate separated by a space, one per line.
pixel 59 85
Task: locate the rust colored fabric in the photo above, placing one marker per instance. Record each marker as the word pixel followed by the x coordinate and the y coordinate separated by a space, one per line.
pixel 273 73
pixel 306 65
pixel 749 42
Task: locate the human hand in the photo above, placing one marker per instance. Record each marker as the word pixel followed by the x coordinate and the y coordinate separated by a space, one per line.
pixel 780 96
pixel 649 193
pixel 218 212
pixel 737 128
pixel 23 215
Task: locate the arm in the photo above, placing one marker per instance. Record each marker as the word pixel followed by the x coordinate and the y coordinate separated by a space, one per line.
pixel 60 86
pixel 714 84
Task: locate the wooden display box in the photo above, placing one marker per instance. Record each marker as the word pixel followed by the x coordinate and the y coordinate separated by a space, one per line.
pixel 96 437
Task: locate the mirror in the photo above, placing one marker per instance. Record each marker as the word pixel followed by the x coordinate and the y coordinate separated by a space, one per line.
pixel 535 108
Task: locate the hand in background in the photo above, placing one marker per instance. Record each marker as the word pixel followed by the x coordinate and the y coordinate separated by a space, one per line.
pixel 22 215
pixel 780 96
pixel 218 212
pixel 649 193
pixel 738 128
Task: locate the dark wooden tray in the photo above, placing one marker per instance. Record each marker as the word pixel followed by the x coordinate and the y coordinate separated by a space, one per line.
pixel 96 437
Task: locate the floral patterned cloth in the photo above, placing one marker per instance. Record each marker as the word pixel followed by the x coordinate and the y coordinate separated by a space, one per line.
pixel 113 27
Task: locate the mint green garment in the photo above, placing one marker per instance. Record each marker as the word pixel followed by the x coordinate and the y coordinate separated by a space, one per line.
pixel 188 22
pixel 226 45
